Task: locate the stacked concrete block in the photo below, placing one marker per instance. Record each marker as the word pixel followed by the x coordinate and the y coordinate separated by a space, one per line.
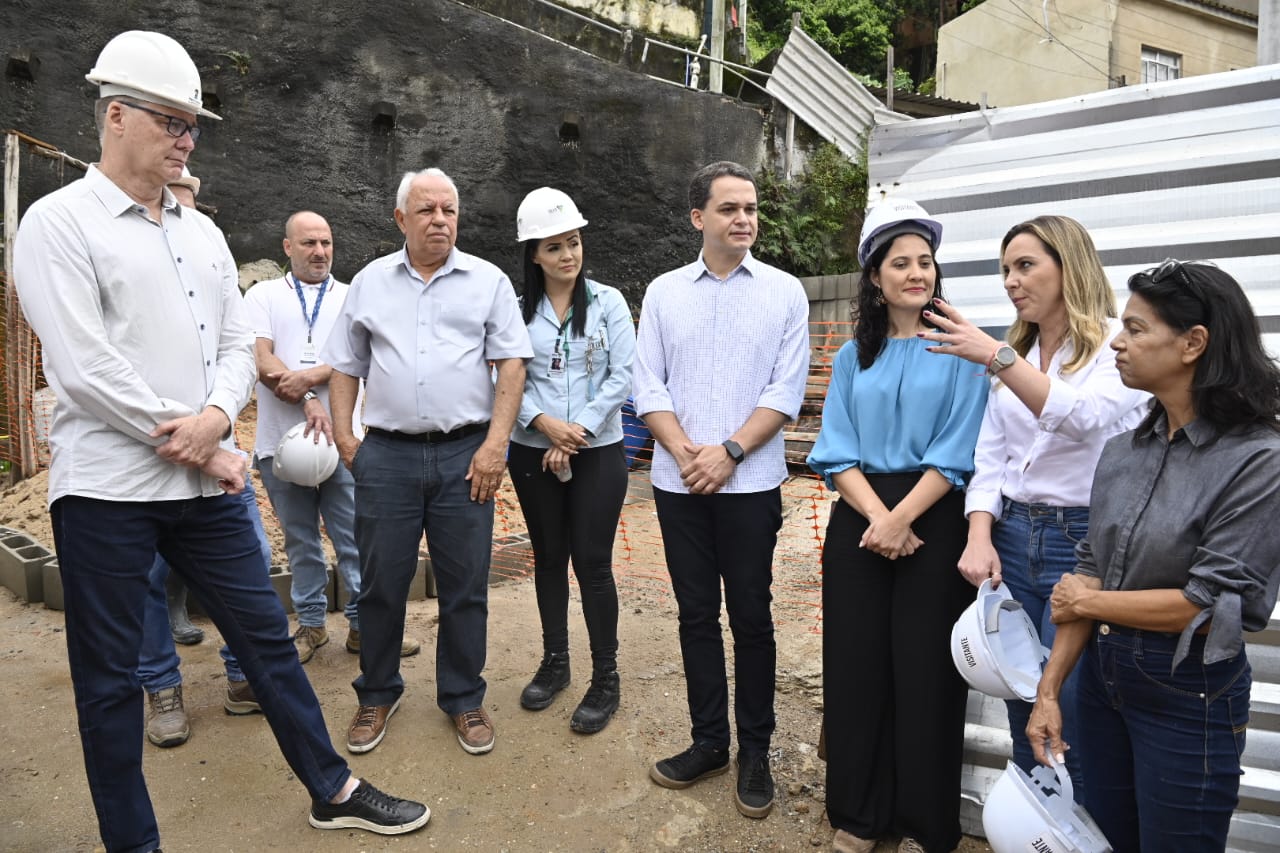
pixel 21 565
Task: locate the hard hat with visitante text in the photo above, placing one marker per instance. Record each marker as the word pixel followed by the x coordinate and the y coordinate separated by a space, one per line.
pixel 303 461
pixel 546 212
pixel 892 218
pixel 1037 812
pixel 995 646
pixel 150 67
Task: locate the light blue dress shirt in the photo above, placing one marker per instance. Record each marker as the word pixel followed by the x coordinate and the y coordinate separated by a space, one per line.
pixel 596 377
pixel 910 411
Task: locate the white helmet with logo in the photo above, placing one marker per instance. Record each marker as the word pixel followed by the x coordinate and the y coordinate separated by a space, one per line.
pixel 995 646
pixel 151 67
pixel 1037 812
pixel 894 217
pixel 303 461
pixel 545 213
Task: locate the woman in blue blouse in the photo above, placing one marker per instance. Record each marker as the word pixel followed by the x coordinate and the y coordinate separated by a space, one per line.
pixel 1182 557
pixel 898 431
pixel 567 460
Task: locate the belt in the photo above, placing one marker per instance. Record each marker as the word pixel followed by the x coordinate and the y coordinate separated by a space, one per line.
pixel 432 437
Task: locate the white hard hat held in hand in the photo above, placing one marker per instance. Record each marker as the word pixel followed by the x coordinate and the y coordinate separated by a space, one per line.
pixel 303 461
pixel 546 212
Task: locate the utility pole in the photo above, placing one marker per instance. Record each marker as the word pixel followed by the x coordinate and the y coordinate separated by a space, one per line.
pixel 715 83
pixel 1268 32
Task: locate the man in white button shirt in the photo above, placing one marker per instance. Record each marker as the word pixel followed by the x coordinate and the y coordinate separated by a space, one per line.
pixel 291 318
pixel 721 360
pixel 137 304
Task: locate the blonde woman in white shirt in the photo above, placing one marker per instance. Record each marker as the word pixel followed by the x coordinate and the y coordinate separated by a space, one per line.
pixel 1056 399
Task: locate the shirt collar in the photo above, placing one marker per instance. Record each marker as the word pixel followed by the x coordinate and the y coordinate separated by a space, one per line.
pixel 455 261
pixel 749 264
pixel 1156 428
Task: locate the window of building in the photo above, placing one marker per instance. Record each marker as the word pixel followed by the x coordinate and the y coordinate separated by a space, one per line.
pixel 1160 65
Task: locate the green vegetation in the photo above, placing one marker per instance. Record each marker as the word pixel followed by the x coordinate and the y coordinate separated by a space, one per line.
pixel 811 226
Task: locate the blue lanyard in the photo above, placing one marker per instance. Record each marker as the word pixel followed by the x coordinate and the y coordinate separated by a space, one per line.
pixel 302 300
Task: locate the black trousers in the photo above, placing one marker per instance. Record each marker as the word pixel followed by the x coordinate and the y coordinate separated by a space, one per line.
pixel 729 537
pixel 894 704
pixel 577 520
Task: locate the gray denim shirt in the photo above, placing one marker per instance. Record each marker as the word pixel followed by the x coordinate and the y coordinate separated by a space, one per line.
pixel 1200 513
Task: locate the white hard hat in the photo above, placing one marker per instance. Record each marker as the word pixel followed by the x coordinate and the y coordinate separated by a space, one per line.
pixel 303 461
pixel 545 213
pixel 151 67
pixel 187 180
pixel 995 646
pixel 1038 812
pixel 891 218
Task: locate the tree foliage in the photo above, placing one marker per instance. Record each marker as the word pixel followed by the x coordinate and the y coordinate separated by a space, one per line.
pixel 856 32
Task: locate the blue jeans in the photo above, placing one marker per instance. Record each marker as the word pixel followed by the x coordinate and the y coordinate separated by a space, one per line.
pixel 158 660
pixel 299 509
pixel 1037 546
pixel 1161 751
pixel 405 488
pixel 105 549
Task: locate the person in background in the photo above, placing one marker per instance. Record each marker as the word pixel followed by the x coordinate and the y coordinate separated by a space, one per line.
pixel 136 301
pixel 898 430
pixel 1182 557
pixel 1056 400
pixel 567 460
pixel 721 363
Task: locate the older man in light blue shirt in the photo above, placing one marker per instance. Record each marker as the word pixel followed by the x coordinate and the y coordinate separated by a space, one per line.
pixel 422 327
pixel 721 361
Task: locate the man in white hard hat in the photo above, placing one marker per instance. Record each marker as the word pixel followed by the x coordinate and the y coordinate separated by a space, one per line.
pixel 422 327
pixel 291 318
pixel 137 304
pixel 721 362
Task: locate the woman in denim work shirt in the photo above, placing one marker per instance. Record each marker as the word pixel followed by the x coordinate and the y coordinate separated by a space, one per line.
pixel 1057 400
pixel 567 460
pixel 1182 557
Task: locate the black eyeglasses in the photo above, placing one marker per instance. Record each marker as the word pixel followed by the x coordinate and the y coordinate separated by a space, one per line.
pixel 175 127
pixel 1173 268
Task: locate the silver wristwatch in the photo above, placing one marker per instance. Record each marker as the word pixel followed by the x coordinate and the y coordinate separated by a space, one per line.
pixel 1004 357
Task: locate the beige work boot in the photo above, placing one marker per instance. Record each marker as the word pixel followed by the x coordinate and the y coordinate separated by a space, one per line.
pixel 167 723
pixel 408 646
pixel 308 639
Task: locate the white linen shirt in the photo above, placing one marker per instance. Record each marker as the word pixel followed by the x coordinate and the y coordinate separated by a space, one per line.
pixel 424 347
pixel 141 322
pixel 714 351
pixel 1050 460
pixel 596 380
pixel 276 315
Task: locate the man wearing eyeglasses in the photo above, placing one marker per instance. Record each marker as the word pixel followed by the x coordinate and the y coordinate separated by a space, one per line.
pixel 136 301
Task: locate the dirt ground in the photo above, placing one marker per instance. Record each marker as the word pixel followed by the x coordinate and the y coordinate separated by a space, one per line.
pixel 543 788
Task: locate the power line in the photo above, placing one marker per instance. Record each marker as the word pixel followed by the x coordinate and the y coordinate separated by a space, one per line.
pixel 1067 47
pixel 1008 58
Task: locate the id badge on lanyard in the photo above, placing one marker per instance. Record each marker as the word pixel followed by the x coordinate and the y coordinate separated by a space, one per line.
pixel 310 353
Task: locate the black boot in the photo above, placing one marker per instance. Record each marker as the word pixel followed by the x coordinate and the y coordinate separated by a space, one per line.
pixel 176 593
pixel 598 705
pixel 552 677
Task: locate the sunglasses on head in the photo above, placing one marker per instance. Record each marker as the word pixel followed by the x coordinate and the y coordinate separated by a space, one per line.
pixel 1175 269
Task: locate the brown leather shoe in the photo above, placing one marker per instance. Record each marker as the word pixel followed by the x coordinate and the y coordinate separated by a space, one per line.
pixel 475 731
pixel 408 646
pixel 308 639
pixel 368 726
pixel 240 699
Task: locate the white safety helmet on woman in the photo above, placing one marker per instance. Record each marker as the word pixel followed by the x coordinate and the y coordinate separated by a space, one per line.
pixel 995 646
pixel 150 67
pixel 892 218
pixel 1038 812
pixel 302 460
pixel 545 213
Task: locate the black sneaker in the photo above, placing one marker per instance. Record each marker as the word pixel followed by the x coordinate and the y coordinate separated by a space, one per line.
pixel 368 808
pixel 754 797
pixel 696 762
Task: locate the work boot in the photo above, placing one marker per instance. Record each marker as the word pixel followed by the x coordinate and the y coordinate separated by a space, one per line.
pixel 240 699
pixel 552 677
pixel 175 592
pixel 597 707
pixel 408 645
pixel 307 639
pixel 166 718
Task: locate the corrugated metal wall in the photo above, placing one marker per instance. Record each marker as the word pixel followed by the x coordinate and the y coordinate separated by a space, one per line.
pixel 1187 169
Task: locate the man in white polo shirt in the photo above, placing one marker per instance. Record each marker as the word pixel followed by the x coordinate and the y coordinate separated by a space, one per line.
pixel 291 318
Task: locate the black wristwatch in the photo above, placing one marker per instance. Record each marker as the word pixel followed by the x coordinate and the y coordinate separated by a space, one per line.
pixel 309 396
pixel 735 451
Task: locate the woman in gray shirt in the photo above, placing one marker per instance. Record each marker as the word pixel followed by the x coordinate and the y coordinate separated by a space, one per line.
pixel 1182 557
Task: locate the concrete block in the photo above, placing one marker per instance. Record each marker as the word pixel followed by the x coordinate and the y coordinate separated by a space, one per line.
pixel 52 576
pixel 21 562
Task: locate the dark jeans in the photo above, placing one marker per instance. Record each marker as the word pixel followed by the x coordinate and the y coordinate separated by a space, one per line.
pixel 893 703
pixel 576 519
pixel 404 488
pixel 1161 752
pixel 105 549
pixel 729 537
pixel 1037 546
